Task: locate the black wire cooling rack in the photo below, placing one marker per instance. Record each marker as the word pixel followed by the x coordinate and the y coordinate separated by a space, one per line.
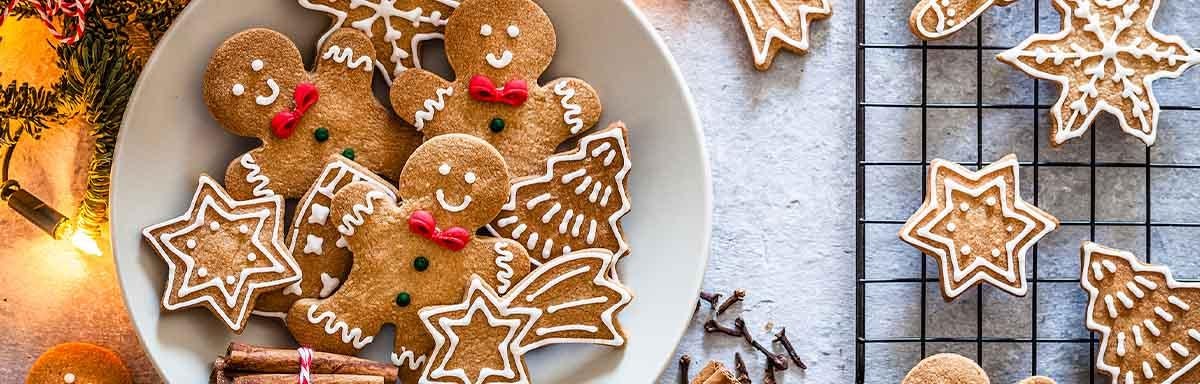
pixel 1036 112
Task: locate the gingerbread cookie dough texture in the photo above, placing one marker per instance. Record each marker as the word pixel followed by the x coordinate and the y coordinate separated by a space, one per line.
pixel 772 25
pixel 715 373
pixel 78 363
pixel 499 49
pixel 939 19
pixel 413 253
pixel 256 86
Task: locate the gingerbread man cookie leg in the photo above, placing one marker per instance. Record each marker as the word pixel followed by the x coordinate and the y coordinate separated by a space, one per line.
pixel 1105 59
pixel 1146 319
pixel 977 226
pixel 772 25
pixel 256 86
pixel 499 49
pixel 939 19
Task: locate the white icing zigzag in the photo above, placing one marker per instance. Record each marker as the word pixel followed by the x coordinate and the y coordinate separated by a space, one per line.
pixel 346 56
pixel 349 335
pixel 256 177
pixel 571 116
pixel 506 272
pixel 414 362
pixel 359 212
pixel 431 107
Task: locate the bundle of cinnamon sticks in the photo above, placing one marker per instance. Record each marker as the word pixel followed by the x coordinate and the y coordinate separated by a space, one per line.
pixel 248 364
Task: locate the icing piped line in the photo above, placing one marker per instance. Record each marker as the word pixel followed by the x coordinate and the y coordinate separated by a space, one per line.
pixel 346 56
pixel 352 336
pixel 571 116
pixel 414 362
pixel 358 213
pixel 432 107
pixel 256 177
pixel 504 276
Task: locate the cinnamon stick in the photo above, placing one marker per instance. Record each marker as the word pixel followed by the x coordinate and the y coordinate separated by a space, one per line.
pixel 279 378
pixel 218 373
pixel 249 358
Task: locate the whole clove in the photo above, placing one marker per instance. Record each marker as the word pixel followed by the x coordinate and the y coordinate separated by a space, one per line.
pixel 769 377
pixel 743 376
pixel 711 326
pixel 685 362
pixel 711 298
pixel 737 296
pixel 773 359
pixel 781 338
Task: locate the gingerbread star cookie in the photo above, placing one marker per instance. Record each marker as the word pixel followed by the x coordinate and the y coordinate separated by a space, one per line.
pixel 1105 59
pixel 1149 330
pixel 78 363
pixel 577 203
pixel 223 253
pixel 715 373
pixel 416 253
pixel 772 25
pixel 397 28
pixel 498 50
pixel 315 243
pixel 977 226
pixel 475 341
pixel 256 86
pixel 939 19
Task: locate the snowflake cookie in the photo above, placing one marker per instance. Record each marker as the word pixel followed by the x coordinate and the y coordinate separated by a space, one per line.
pixel 256 86
pixel 977 226
pixel 223 253
pixel 397 28
pixel 938 19
pixel 417 252
pixel 787 21
pixel 499 48
pixel 1105 59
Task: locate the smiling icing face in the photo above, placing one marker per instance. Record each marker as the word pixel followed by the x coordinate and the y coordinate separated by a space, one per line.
pixel 460 179
pixel 504 39
pixel 239 89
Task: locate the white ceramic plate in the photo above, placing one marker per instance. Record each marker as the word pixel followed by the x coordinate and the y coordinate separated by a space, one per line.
pixel 169 139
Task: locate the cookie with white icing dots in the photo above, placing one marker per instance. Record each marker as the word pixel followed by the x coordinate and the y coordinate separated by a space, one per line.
pixel 772 25
pixel 498 49
pixel 1105 59
pixel 416 253
pixel 577 203
pixel 397 28
pixel 977 226
pixel 316 245
pixel 256 86
pixel 223 253
pixel 78 363
pixel 571 299
pixel 939 19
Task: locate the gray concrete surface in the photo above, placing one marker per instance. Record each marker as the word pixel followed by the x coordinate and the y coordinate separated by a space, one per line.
pixel 782 150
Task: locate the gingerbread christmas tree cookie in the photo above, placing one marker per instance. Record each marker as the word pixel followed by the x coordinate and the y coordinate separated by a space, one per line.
pixel 939 19
pixel 256 86
pixel 1149 329
pixel 977 226
pixel 499 49
pixel 772 25
pixel 1105 59
pixel 223 253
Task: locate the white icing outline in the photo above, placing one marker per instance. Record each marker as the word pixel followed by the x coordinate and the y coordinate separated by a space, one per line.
pixel 346 56
pixel 505 59
pixel 601 278
pixel 432 107
pixel 198 207
pixel 479 297
pixel 943 32
pixel 573 111
pixel 761 53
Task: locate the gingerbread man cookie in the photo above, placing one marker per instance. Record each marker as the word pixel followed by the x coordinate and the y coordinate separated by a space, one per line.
pixel 1149 331
pixel 397 28
pixel 414 254
pixel 938 19
pixel 977 226
pixel 223 253
pixel 577 204
pixel 1105 59
pixel 78 363
pixel 772 25
pixel 315 242
pixel 498 49
pixel 256 86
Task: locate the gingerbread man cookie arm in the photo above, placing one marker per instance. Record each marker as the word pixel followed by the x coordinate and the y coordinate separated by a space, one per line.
pixel 420 96
pixel 358 206
pixel 579 103
pixel 507 265
pixel 244 177
pixel 347 57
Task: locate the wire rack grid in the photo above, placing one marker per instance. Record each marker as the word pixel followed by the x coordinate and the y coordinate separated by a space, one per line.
pixel 1036 112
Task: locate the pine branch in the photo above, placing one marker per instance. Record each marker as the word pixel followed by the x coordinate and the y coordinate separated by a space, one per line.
pixel 25 110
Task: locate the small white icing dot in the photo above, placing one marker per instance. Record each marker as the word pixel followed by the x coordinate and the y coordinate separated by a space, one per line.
pixel 257 65
pixel 513 31
pixel 444 169
pixel 229 280
pixel 995 252
pixel 951 227
pixel 191 243
pixel 964 207
pixel 1009 228
pixel 202 272
pixel 243 229
pixel 214 225
pixel 485 30
pixel 966 250
pixel 990 201
pixel 251 257
pixel 951 12
pixel 69 378
pixel 239 89
pixel 470 177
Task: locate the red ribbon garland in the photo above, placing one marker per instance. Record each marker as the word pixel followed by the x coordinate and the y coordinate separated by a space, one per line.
pixel 513 93
pixel 423 224
pixel 283 125
pixel 47 12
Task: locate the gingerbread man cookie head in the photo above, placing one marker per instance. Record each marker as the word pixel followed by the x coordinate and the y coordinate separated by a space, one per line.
pixel 250 77
pixel 503 40
pixel 460 179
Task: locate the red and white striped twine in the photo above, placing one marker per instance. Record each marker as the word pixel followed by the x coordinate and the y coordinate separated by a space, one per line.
pixel 305 376
pixel 51 9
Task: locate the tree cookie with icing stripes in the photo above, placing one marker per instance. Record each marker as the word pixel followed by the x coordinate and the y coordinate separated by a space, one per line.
pixel 571 299
pixel 772 25
pixel 1105 59
pixel 256 86
pixel 223 253
pixel 939 19
pixel 1149 329
pixel 499 48
pixel 416 253
pixel 977 226
pixel 316 245
pixel 577 203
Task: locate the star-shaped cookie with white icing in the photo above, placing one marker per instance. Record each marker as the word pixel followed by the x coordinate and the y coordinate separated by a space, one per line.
pixel 977 226
pixel 476 340
pixel 223 253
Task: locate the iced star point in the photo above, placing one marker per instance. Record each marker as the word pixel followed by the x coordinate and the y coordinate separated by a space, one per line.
pixel 448 323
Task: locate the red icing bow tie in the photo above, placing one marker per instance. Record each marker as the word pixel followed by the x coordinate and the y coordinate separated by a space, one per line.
pixel 453 238
pixel 513 93
pixel 283 125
